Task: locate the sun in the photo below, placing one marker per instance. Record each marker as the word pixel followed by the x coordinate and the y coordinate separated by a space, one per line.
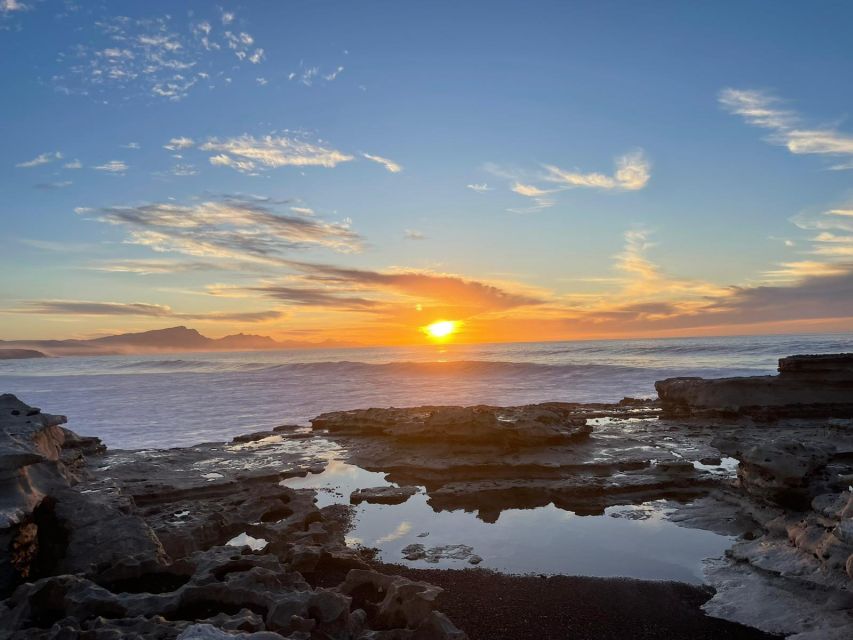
pixel 442 329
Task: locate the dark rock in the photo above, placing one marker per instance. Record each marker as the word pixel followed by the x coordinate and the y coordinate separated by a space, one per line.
pixel 382 495
pixel 135 544
pixel 507 427
pixel 808 386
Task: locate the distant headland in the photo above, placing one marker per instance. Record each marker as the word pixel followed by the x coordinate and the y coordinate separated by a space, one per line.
pixel 155 341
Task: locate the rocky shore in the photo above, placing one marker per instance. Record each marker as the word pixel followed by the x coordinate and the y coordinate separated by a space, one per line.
pixel 206 541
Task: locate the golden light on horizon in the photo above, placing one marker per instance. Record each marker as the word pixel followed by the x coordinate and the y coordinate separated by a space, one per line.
pixel 442 329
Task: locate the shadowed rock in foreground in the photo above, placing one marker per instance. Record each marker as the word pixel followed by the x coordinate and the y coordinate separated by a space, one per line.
pixel 146 544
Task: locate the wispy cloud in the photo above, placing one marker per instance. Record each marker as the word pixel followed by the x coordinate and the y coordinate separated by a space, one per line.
pixel 249 154
pixel 42 158
pixel 140 309
pixel 49 186
pixel 414 234
pixel 476 296
pixel 183 170
pixel 787 128
pixel 390 165
pixel 176 144
pixel 480 187
pixel 329 77
pixel 117 167
pixel 11 6
pixel 164 56
pixel 74 164
pixel 154 267
pixel 135 146
pixel 828 251
pixel 530 191
pixel 308 75
pixel 230 227
pixel 632 173
pixel 316 297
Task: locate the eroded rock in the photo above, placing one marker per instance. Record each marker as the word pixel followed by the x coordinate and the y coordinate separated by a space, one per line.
pixel 134 544
pixel 382 495
pixel 807 386
pixel 506 427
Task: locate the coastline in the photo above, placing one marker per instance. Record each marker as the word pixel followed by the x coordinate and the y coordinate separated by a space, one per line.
pixel 162 542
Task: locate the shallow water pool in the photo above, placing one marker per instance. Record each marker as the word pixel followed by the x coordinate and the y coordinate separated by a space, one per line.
pixel 628 541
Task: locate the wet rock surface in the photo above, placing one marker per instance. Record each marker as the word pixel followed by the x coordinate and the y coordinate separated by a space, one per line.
pixel 502 427
pixel 141 544
pixel 383 495
pixel 781 483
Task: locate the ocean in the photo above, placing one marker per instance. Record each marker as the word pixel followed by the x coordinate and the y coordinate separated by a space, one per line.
pixel 146 401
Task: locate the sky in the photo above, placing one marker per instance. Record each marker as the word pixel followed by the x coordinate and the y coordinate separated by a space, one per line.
pixel 356 171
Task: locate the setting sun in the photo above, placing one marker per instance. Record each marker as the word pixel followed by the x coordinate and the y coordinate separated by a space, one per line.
pixel 441 329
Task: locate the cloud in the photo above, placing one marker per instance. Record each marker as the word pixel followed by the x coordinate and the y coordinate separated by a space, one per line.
pixel 827 252
pixel 49 186
pixel 74 164
pixel 390 165
pixel 132 145
pixel 473 295
pixel 248 154
pixel 176 144
pixel 633 172
pixel 113 166
pixel 480 188
pixel 540 204
pixel 540 196
pixel 11 6
pixel 183 170
pixel 165 57
pixel 530 191
pixel 154 267
pixel 229 227
pixel 314 297
pixel 139 309
pixel 764 110
pixel 414 234
pixel 42 158
pixel 396 298
pixel 329 77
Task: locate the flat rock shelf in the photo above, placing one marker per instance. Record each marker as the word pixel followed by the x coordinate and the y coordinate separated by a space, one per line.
pixel 734 509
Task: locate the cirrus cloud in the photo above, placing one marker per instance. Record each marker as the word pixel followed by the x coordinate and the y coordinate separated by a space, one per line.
pixel 247 153
pixel 230 227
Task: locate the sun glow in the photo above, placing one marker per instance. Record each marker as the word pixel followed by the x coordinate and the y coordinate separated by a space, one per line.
pixel 442 329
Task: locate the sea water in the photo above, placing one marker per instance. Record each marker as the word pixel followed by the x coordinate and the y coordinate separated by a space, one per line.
pixel 136 401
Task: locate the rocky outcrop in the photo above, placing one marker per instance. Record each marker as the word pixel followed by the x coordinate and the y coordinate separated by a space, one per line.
pixel 39 460
pixel 382 495
pixel 603 455
pixel 807 386
pixel 205 541
pixel 201 542
pixel 506 427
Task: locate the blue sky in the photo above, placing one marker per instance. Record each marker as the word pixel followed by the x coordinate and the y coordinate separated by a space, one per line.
pixel 504 124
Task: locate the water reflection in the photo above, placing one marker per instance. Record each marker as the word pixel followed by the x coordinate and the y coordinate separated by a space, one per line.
pixel 631 541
